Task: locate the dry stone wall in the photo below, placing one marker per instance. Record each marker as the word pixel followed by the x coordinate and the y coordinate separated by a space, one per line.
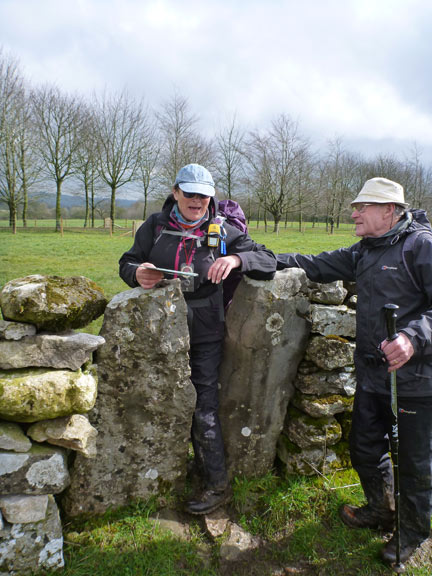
pixel 47 384
pixel 287 383
pixel 315 433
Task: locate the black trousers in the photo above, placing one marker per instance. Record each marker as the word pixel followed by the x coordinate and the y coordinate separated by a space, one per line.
pixel 207 441
pixel 370 445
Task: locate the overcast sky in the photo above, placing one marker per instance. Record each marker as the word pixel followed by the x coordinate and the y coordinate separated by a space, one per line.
pixel 356 69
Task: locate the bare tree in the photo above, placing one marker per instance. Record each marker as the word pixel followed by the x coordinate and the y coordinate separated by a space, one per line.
pixel 150 150
pixel 181 142
pixel 86 167
pixel 57 118
pixel 418 180
pixel 304 185
pixel 119 127
pixel 340 179
pixel 275 159
pixel 229 157
pixel 11 105
pixel 30 165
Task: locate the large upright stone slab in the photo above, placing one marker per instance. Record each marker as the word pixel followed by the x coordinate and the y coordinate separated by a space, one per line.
pixel 145 402
pixel 266 335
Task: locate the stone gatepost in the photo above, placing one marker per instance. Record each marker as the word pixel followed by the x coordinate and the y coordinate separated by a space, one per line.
pixel 145 403
pixel 266 335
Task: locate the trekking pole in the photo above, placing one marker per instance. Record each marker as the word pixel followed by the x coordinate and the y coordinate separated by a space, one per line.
pixel 391 315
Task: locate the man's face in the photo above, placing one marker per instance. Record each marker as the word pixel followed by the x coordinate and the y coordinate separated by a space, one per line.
pixel 372 219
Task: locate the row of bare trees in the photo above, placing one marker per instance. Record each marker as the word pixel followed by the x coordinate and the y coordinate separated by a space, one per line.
pixel 115 142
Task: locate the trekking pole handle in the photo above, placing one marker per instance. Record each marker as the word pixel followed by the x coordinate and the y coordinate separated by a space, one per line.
pixel 391 316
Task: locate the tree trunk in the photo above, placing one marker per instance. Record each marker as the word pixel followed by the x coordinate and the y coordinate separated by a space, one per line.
pixel 145 205
pixel 13 217
pixel 112 209
pixel 58 207
pixel 92 206
pixel 87 209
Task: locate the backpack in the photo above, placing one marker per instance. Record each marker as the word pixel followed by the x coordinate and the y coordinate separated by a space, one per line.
pixel 409 243
pixel 231 212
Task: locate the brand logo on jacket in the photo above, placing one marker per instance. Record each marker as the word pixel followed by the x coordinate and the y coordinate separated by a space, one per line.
pixel 384 267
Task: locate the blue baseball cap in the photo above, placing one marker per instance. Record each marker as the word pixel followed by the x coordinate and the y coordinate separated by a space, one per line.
pixel 196 179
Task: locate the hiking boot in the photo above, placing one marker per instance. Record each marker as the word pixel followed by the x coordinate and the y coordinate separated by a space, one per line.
pixel 366 517
pixel 388 552
pixel 208 501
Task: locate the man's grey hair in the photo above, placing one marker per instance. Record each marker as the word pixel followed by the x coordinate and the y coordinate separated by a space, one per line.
pixel 399 210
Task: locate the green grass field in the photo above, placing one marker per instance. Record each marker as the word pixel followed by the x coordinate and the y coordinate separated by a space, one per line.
pixel 94 253
pixel 296 516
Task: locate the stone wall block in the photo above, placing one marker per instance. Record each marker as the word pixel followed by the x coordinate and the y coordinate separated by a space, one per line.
pixel 329 293
pixel 23 509
pixel 12 437
pixel 26 548
pixel 41 470
pixel 333 320
pixel 67 350
pixel 322 406
pixel 266 334
pixel 33 394
pixel 307 432
pixel 340 382
pixel 145 403
pixel 74 432
pixel 15 330
pixel 52 302
pixel 330 353
pixel 312 461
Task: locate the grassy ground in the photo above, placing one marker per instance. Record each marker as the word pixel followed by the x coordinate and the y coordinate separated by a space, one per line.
pixel 295 517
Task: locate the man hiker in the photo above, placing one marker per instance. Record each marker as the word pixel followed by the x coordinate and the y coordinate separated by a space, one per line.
pixel 392 263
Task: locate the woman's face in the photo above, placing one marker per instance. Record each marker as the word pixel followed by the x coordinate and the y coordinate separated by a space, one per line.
pixel 191 208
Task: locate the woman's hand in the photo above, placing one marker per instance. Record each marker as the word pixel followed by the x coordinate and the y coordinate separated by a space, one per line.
pixel 220 269
pixel 397 351
pixel 146 276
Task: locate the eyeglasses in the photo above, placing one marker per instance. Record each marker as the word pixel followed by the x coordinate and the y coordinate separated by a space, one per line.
pixel 193 195
pixel 361 207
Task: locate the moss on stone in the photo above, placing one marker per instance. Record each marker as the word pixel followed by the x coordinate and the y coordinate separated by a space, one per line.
pixel 288 446
pixel 338 338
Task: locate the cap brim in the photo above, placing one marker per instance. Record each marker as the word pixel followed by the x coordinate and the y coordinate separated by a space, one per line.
pixel 197 188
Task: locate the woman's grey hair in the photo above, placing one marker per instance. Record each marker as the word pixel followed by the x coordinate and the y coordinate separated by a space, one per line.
pixel 399 210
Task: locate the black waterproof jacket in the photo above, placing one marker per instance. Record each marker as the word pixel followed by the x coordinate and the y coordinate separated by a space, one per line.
pixel 164 250
pixel 377 266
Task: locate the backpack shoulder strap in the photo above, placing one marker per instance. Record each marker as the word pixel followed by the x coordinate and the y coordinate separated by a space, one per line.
pixel 408 254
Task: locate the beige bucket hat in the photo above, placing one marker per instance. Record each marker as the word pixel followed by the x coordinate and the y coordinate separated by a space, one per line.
pixel 381 191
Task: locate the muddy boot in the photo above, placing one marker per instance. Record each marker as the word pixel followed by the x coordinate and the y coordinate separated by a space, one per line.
pixel 366 517
pixel 407 549
pixel 378 513
pixel 209 500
